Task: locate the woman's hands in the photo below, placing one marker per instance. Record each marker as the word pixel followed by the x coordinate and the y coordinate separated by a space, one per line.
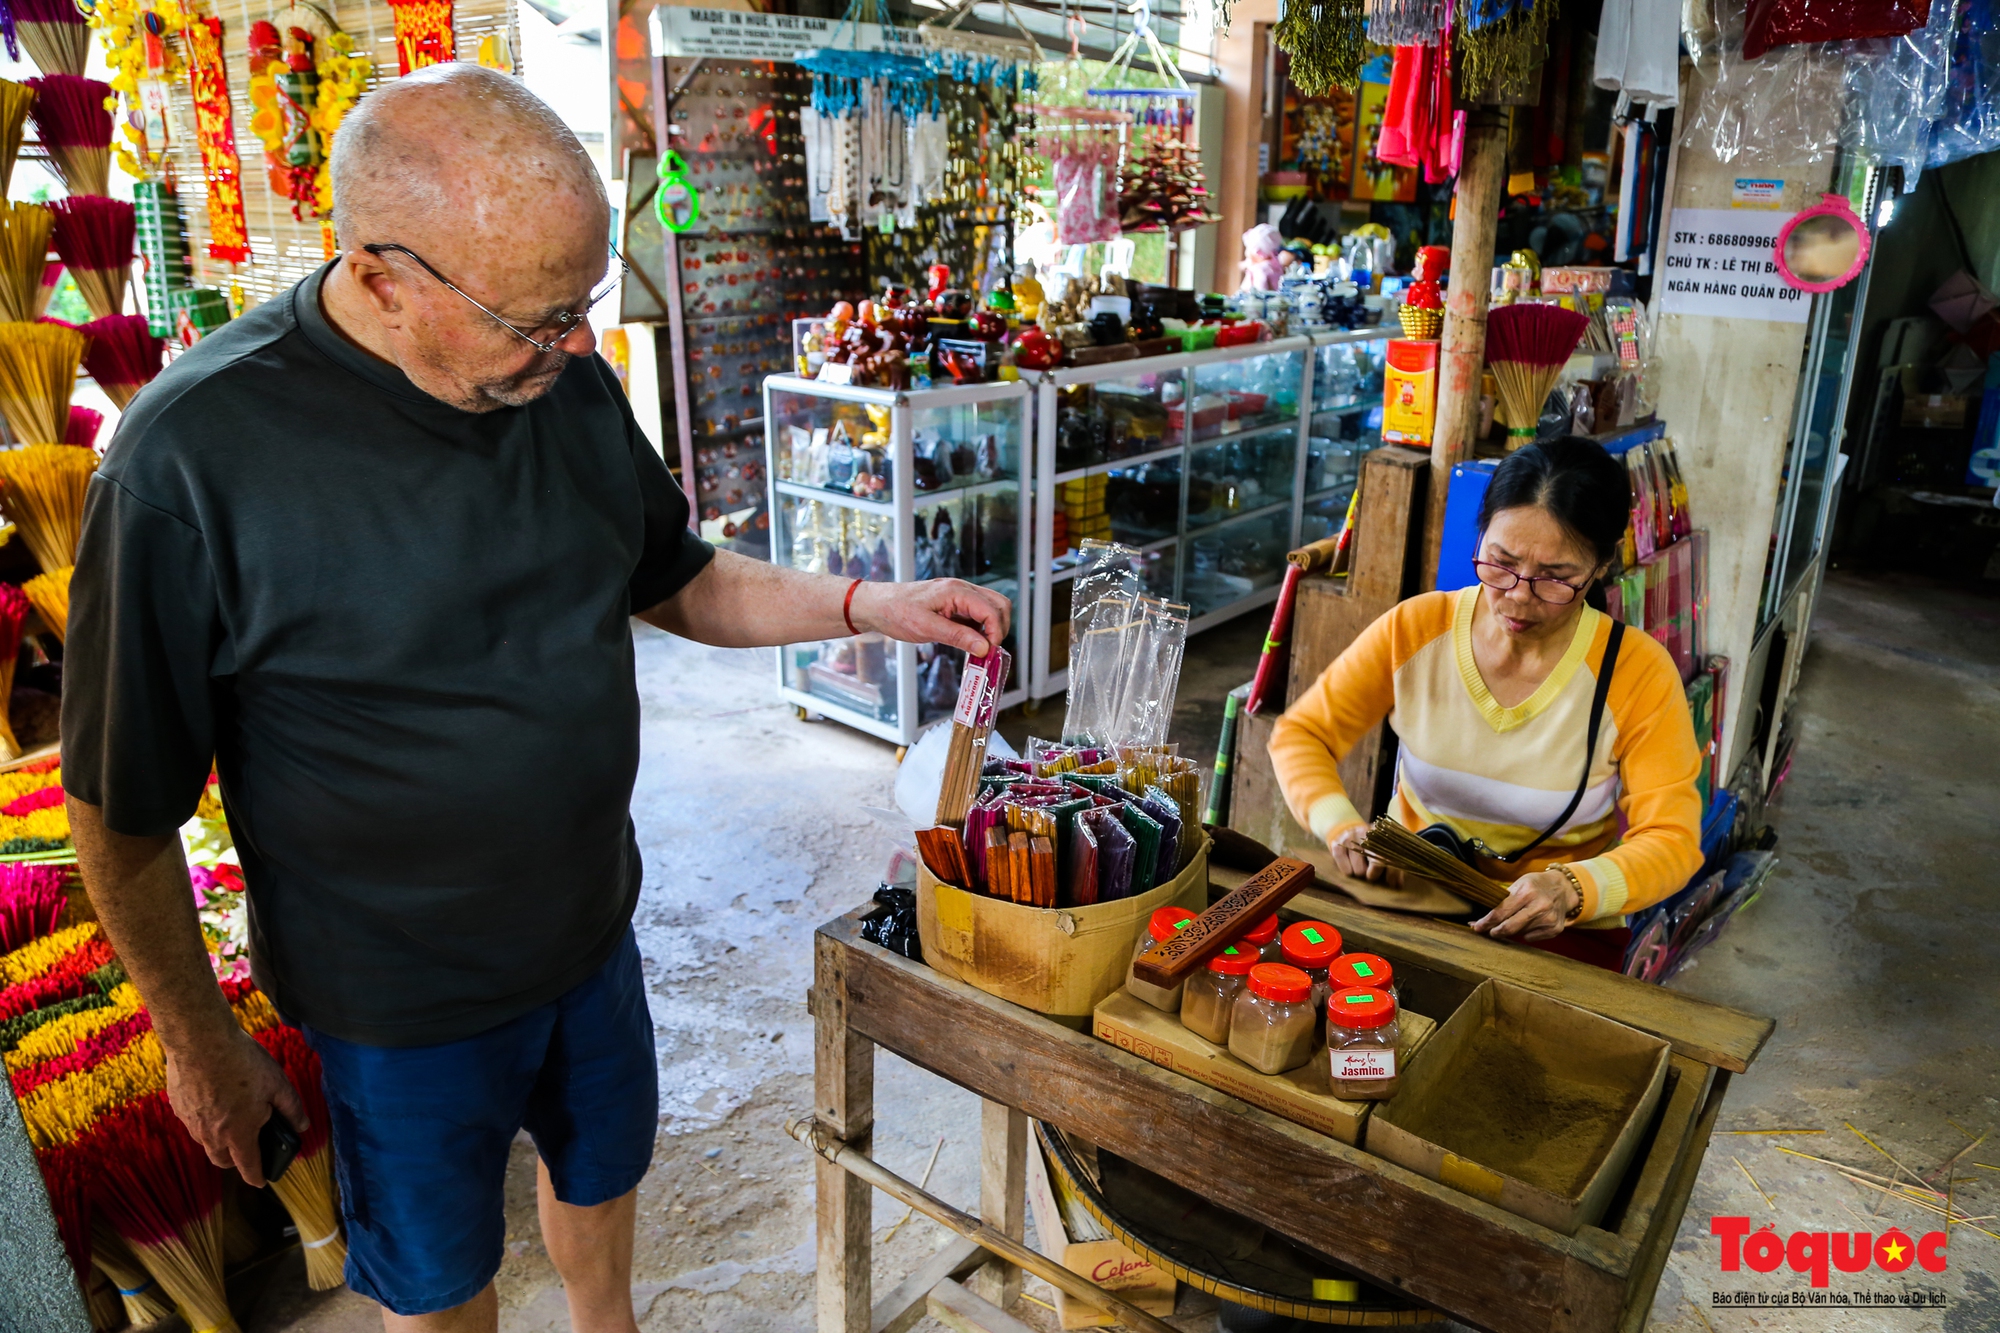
pixel 1536 908
pixel 1349 859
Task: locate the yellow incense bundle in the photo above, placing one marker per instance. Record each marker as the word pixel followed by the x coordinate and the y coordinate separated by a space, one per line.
pixel 50 594
pixel 306 1189
pixel 44 489
pixel 144 1302
pixel 37 374
pixel 1391 843
pixel 24 253
pixel 15 98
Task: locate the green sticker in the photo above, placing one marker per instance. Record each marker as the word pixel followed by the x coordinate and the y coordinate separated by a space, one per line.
pixel 1231 951
pixel 1313 936
pixel 1363 970
pixel 1360 999
pixel 1182 923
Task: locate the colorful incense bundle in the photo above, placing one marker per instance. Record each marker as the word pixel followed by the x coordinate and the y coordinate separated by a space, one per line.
pixel 55 33
pixel 84 423
pixel 15 99
pixel 52 276
pixel 306 1188
pixel 50 595
pixel 94 237
pixel 37 375
pixel 32 898
pixel 13 611
pixel 75 127
pixel 45 486
pixel 164 1198
pixel 979 693
pixel 24 257
pixel 1526 348
pixel 144 1301
pixel 1392 844
pixel 123 356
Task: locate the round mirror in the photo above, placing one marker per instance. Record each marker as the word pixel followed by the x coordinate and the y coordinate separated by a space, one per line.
pixel 1823 247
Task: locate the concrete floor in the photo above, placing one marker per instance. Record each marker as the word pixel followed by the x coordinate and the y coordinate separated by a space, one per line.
pixel 1870 945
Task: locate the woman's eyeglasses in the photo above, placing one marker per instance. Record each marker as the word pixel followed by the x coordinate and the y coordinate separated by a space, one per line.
pixel 564 323
pixel 1502 579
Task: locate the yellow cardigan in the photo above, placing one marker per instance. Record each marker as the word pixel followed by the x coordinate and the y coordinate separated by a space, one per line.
pixel 1504 774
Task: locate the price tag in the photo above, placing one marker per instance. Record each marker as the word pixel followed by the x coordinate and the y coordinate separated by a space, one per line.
pixel 836 372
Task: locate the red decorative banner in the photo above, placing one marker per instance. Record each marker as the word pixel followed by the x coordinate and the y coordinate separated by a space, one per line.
pixel 423 33
pixel 215 132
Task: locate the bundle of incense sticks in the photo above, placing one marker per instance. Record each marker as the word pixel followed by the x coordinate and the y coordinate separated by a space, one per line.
pixel 1392 844
pixel 75 128
pixel 52 276
pixel 306 1188
pixel 165 1199
pixel 94 237
pixel 1526 348
pixel 15 99
pixel 979 693
pixel 13 611
pixel 24 255
pixel 84 423
pixel 44 489
pixel 49 594
pixel 123 356
pixel 37 375
pixel 144 1301
pixel 32 899
pixel 54 31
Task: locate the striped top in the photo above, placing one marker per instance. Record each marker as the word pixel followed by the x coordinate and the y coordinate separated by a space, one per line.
pixel 1502 775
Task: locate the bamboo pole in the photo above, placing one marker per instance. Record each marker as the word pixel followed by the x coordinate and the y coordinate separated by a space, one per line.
pixel 815 1136
pixel 1475 230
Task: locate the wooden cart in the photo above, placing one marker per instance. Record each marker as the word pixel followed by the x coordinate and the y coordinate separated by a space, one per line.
pixel 1478 1263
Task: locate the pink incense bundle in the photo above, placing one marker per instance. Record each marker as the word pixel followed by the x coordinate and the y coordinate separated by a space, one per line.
pixel 1526 347
pixel 52 273
pixel 32 897
pixel 123 356
pixel 84 423
pixel 93 236
pixel 54 33
pixel 75 127
pixel 159 1191
pixel 13 611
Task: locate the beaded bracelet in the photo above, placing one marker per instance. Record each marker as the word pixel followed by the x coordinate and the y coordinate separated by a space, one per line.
pixel 1576 884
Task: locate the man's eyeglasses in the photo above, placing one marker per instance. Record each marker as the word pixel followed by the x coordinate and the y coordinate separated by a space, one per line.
pixel 565 323
pixel 1501 579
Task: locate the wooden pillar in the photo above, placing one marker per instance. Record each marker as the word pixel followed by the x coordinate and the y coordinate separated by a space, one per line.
pixel 1003 1194
pixel 1475 229
pixel 843 1101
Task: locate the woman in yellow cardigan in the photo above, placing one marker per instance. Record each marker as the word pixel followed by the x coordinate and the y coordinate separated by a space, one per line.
pixel 1490 690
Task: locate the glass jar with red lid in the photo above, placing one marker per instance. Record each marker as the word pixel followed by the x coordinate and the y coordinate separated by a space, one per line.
pixel 1164 924
pixel 1370 971
pixel 1209 993
pixel 1311 947
pixel 1362 1037
pixel 1264 938
pixel 1271 1027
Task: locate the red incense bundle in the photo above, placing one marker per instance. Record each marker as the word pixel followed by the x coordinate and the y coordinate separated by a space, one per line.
pixel 306 1188
pixel 94 237
pixel 84 423
pixel 13 611
pixel 1526 346
pixel 123 356
pixel 979 692
pixel 161 1194
pixel 52 274
pixel 75 127
pixel 54 33
pixel 32 897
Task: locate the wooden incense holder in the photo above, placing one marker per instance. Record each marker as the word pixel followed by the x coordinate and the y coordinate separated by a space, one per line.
pixel 1172 961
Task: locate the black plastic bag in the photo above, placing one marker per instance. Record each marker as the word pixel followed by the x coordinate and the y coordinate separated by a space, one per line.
pixel 892 923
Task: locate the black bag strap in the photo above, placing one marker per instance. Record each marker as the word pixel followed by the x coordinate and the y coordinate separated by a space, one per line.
pixel 1604 670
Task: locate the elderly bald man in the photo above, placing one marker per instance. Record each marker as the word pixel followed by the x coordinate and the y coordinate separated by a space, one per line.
pixel 373 548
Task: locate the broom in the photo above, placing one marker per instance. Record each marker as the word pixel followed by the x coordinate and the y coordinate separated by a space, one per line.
pixel 144 1303
pixel 94 237
pixel 1392 844
pixel 24 257
pixel 306 1189
pixel 1526 347
pixel 54 32
pixel 164 1198
pixel 50 595
pixel 84 423
pixel 37 375
pixel 75 128
pixel 123 356
pixel 15 99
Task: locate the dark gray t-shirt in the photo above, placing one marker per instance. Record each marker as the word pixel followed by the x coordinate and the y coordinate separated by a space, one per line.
pixel 401 631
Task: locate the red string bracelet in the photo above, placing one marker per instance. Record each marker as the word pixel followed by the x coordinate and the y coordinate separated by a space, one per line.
pixel 847 607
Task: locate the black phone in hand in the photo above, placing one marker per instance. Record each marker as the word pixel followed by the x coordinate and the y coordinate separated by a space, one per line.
pixel 277 1146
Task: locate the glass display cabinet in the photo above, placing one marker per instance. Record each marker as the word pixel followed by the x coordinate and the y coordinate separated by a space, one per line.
pixel 896 486
pixel 1346 424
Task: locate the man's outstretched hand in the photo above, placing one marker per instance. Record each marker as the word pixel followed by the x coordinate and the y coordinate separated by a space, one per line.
pixel 949 611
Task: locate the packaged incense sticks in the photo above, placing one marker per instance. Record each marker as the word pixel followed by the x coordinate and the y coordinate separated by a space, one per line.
pixel 971 723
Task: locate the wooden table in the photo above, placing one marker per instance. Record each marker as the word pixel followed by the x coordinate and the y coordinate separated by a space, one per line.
pixel 1471 1260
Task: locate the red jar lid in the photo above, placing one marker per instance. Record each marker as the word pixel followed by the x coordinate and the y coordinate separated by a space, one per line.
pixel 1263 932
pixel 1234 961
pixel 1276 981
pixel 1362 969
pixel 1310 944
pixel 1168 921
pixel 1360 1007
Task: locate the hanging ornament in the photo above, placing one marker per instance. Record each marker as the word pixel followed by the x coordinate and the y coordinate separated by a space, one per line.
pixel 285 94
pixel 1326 42
pixel 676 203
pixel 215 134
pixel 1501 45
pixel 423 34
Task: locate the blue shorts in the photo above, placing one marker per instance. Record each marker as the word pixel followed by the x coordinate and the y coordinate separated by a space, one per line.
pixel 421 1133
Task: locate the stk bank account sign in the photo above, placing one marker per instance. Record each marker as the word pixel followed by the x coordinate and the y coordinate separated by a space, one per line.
pixel 1721 261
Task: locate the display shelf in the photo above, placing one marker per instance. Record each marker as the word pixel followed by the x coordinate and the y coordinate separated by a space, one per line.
pixel 967 525
pixel 1117 464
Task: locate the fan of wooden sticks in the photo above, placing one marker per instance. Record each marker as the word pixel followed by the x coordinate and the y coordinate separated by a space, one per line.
pixel 1392 844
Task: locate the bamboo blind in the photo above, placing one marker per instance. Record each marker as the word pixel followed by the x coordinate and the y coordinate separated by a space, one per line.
pixel 282 249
